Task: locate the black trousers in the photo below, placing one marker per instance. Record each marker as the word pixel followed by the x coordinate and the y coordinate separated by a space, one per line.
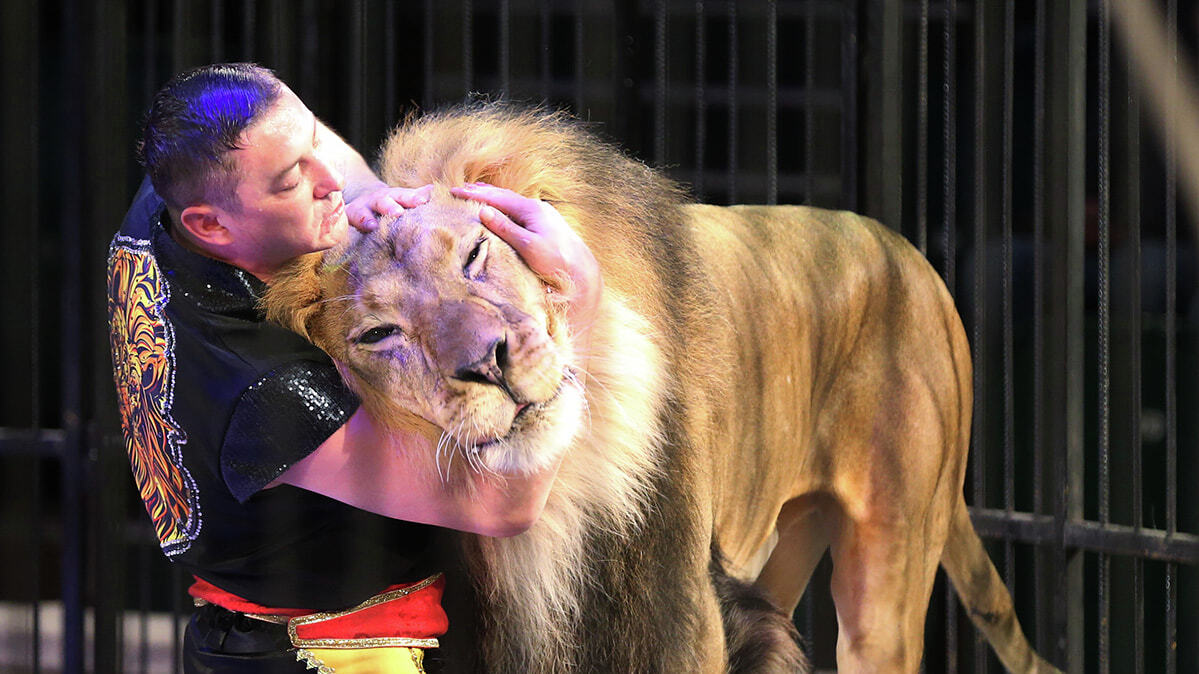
pixel 219 641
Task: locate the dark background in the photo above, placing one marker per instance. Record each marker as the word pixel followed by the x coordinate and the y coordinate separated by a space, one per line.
pixel 1007 142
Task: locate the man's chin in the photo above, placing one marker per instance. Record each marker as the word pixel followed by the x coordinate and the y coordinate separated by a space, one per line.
pixel 336 232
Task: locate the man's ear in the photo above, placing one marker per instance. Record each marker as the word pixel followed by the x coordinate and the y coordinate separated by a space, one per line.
pixel 203 224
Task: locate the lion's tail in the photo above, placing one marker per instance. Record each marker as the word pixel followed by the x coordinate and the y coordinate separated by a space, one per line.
pixel 986 597
pixel 758 636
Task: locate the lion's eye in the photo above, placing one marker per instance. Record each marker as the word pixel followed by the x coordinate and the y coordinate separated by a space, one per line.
pixel 476 258
pixel 376 335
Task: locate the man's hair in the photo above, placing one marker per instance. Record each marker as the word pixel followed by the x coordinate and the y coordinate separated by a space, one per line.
pixel 193 123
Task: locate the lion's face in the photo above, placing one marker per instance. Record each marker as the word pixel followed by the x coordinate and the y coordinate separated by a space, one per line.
pixel 435 315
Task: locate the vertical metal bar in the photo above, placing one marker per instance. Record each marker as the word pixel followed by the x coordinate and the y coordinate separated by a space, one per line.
pixel 217 45
pixel 177 613
pixel 701 105
pixel 849 106
pixel 949 186
pixel 468 45
pixel 922 133
pixel 1132 324
pixel 248 30
pixel 882 177
pixel 309 45
pixel 178 36
pixel 661 83
pixel 390 40
pixel 809 152
pixel 357 50
pixel 580 80
pixel 978 449
pixel 543 60
pixel 23 74
pixel 35 369
pixel 950 133
pixel 1065 216
pixel 505 59
pixel 427 72
pixel 1009 414
pixel 1104 307
pixel 1038 225
pixel 772 102
pixel 144 553
pixel 951 628
pixel 731 177
pixel 105 131
pixel 149 58
pixel 275 33
pixel 70 216
pixel 1171 641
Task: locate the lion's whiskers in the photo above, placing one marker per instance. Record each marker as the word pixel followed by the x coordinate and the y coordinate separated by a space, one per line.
pixel 339 298
pixel 596 382
pixel 573 380
pixel 442 444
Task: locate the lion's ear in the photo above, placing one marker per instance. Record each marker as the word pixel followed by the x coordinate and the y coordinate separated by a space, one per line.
pixel 293 298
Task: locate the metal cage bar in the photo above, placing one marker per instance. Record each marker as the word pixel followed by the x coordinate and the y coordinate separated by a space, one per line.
pixel 1103 447
pixel 929 91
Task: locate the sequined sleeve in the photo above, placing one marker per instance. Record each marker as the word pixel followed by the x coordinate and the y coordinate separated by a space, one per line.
pixel 281 419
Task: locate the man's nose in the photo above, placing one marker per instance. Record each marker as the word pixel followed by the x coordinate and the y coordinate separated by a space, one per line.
pixel 327 179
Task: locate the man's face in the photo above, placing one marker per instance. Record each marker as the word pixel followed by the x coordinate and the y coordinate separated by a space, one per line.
pixel 288 198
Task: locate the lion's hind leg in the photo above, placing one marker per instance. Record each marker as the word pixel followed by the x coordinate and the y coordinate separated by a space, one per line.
pixel 882 580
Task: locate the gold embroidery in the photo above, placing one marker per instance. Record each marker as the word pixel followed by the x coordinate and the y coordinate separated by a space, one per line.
pixel 369 642
pixel 363 660
pixel 312 662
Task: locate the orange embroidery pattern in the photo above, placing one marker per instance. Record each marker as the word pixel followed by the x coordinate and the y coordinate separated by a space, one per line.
pixel 143 360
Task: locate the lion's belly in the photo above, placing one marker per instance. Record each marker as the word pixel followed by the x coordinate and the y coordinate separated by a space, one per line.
pixel 814 313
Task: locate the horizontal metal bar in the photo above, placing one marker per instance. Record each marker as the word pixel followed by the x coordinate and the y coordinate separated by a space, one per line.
pixel 716 95
pixel 745 10
pixel 46 441
pixel 1112 539
pixel 788 182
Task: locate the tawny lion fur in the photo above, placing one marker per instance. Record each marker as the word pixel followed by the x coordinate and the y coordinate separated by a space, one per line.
pixel 765 382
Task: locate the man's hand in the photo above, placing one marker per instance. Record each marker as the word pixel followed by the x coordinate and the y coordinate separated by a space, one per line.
pixel 546 243
pixel 379 199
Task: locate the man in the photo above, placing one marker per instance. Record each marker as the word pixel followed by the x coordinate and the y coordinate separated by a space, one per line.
pixel 261 475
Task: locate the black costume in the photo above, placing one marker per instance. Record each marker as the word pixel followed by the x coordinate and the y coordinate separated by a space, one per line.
pixel 215 404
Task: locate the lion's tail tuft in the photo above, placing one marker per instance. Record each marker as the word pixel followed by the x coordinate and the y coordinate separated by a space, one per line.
pixel 758 636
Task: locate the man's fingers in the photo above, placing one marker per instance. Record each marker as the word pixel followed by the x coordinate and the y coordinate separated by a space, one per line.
pixel 523 209
pixel 513 234
pixel 411 198
pixel 361 218
pixel 386 205
pixel 363 213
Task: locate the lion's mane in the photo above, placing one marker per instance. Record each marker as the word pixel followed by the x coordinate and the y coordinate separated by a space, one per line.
pixel 622 495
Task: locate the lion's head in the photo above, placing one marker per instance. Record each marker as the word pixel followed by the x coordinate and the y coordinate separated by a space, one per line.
pixel 437 324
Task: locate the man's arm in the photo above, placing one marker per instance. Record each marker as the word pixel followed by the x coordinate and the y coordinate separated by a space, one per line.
pixel 394 475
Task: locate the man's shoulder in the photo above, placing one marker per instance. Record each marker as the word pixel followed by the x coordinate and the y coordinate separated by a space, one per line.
pixel 144 213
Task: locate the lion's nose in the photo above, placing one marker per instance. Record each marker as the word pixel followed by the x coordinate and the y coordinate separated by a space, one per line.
pixel 472 345
pixel 490 369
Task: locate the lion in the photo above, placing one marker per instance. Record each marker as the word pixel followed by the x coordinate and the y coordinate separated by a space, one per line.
pixel 763 383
